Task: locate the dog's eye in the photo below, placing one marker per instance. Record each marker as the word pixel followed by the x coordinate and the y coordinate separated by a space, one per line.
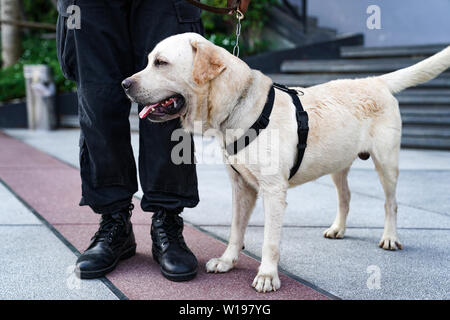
pixel 159 62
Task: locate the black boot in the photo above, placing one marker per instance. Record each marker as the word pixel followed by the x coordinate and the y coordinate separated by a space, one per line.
pixel 114 241
pixel 177 262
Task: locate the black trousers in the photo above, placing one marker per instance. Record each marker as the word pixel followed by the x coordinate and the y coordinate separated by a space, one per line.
pixel 112 43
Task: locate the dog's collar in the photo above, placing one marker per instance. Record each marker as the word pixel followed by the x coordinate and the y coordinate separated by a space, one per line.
pixel 263 121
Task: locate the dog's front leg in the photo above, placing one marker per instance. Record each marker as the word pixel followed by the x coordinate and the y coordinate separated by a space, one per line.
pixel 274 205
pixel 244 198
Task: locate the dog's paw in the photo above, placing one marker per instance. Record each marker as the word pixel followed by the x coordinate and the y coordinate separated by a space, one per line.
pixel 266 282
pixel 390 243
pixel 334 232
pixel 219 265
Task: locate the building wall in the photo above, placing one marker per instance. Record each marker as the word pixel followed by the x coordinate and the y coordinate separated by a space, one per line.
pixel 403 22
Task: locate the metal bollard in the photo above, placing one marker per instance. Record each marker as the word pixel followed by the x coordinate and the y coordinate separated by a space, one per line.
pixel 40 90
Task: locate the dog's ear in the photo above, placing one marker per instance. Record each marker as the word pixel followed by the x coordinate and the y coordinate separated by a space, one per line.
pixel 207 62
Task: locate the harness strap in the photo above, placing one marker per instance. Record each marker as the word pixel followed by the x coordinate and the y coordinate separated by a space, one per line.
pixel 252 133
pixel 263 121
pixel 302 126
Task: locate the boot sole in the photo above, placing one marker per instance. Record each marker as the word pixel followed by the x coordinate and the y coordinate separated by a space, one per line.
pixel 176 277
pixel 101 272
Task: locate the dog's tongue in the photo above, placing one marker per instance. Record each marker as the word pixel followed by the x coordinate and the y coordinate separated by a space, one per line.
pixel 147 109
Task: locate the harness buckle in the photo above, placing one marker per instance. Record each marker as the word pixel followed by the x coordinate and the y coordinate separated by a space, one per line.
pixel 303 123
pixel 263 121
pixel 287 89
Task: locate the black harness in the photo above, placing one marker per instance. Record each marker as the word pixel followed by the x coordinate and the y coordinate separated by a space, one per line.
pixel 263 121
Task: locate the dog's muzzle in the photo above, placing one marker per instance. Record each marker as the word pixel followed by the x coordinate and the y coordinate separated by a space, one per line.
pixel 167 107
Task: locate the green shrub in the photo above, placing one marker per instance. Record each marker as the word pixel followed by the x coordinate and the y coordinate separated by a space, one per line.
pixel 40 10
pixel 220 29
pixel 35 51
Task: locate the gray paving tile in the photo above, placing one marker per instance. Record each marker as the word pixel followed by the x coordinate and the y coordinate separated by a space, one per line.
pixel 425 189
pixel 420 271
pixel 312 204
pixel 12 211
pixel 35 264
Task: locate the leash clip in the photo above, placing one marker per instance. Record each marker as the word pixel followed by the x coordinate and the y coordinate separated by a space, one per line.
pixel 239 17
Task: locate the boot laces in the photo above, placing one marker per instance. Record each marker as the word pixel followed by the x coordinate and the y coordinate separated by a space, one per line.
pixel 169 228
pixel 110 224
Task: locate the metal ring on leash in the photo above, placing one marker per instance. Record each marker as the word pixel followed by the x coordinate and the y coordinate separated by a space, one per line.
pixel 239 14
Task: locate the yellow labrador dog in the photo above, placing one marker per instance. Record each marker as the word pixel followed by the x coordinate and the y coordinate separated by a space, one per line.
pixel 190 78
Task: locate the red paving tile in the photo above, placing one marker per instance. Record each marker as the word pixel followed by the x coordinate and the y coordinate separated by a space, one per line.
pixel 14 154
pixel 52 188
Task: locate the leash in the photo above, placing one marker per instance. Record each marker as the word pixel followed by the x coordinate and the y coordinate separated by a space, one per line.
pixel 234 8
pixel 239 17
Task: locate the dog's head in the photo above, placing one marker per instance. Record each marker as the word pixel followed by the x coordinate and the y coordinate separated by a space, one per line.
pixel 176 79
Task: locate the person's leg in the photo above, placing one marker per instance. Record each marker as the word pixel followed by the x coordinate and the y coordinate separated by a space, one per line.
pixel 165 184
pixel 97 56
pixel 168 187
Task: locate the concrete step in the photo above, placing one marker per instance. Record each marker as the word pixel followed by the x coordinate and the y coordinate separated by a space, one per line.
pixel 280 17
pixel 385 52
pixel 425 110
pixel 270 62
pixel 437 119
pixel 428 137
pixel 72 121
pixel 311 21
pixel 348 65
pixel 425 131
pixel 134 117
pixel 69 121
pixel 291 28
pixel 134 122
pixel 307 80
pixel 426 143
pixel 424 97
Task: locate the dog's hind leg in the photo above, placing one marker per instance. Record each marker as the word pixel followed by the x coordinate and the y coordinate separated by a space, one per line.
pixel 244 198
pixel 386 164
pixel 274 199
pixel 337 229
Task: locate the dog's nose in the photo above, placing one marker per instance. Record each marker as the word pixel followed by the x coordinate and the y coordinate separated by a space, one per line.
pixel 127 83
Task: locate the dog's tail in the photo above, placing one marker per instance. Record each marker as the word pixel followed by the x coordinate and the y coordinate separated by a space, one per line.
pixel 419 73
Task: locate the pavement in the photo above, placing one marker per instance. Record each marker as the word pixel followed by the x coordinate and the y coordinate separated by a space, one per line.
pixel 39 193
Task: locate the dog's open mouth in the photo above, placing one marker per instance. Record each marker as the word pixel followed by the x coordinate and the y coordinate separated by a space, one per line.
pixel 170 106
